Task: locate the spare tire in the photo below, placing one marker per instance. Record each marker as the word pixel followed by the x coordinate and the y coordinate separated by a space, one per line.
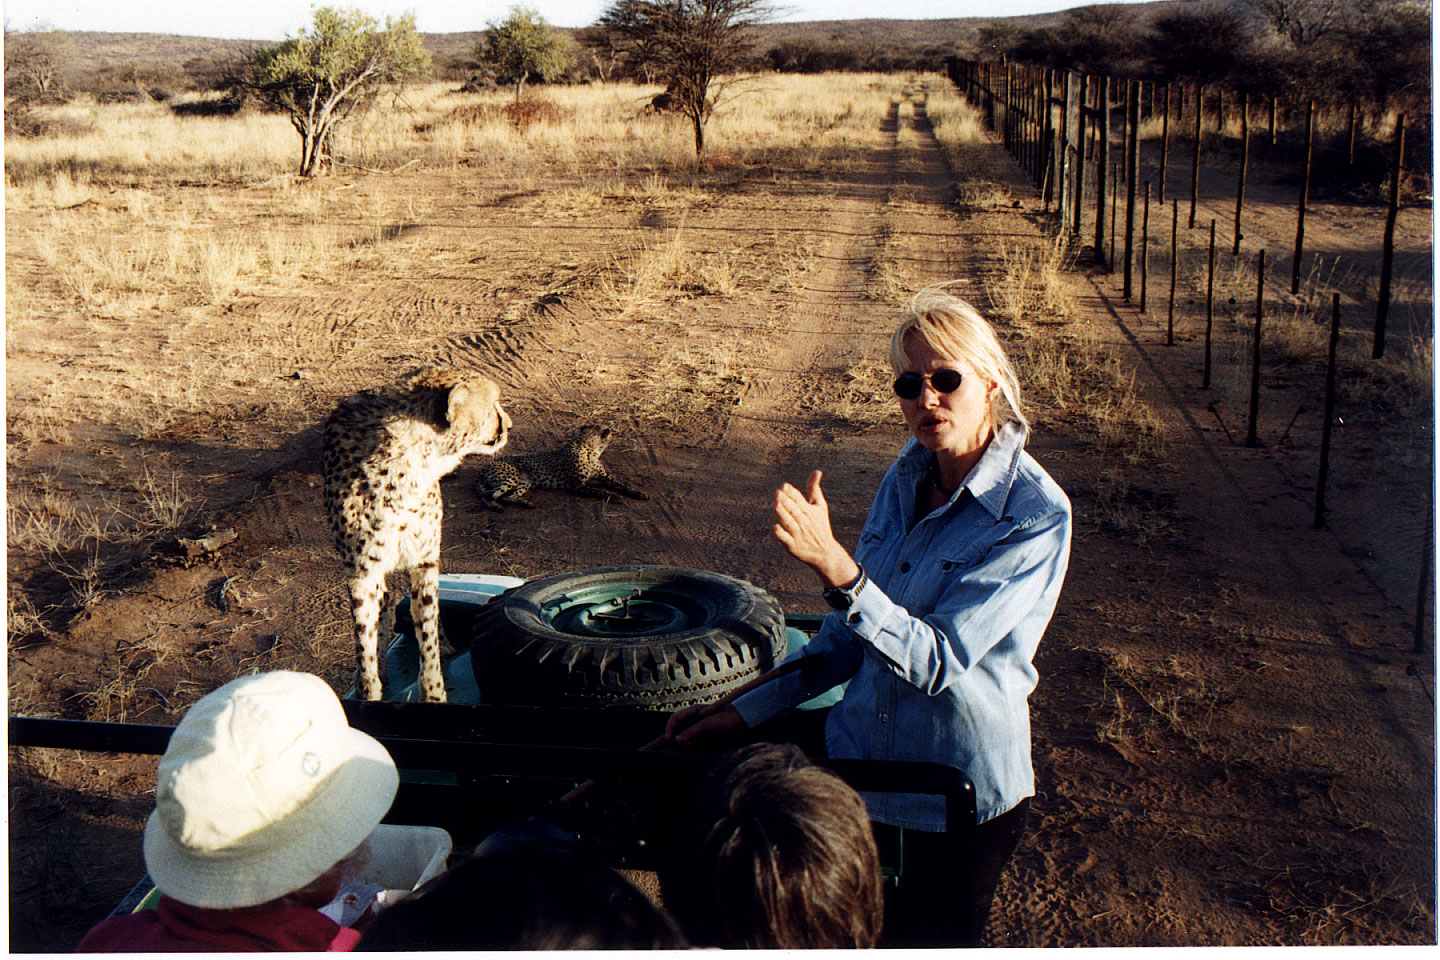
pixel 642 637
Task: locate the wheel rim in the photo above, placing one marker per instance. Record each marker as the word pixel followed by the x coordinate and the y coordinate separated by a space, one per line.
pixel 625 609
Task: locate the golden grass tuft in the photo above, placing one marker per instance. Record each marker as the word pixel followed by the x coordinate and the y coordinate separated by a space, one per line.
pixel 865 397
pixel 1029 287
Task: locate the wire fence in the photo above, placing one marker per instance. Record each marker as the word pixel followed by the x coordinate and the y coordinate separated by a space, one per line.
pixel 1102 151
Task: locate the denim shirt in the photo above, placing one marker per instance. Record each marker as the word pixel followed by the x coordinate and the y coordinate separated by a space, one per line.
pixel 938 645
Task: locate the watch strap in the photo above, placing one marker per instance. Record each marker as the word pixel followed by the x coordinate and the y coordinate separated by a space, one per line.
pixel 841 598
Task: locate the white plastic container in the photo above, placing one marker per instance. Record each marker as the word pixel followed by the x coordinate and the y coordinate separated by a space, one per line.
pixel 401 858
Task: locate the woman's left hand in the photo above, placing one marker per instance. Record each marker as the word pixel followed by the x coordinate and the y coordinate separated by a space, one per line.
pixel 804 529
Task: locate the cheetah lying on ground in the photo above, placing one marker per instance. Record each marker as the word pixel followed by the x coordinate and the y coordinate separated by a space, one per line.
pixel 575 467
pixel 385 452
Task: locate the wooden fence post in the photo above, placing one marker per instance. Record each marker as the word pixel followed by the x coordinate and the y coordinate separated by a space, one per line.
pixel 1132 175
pixel 1027 123
pixel 1145 246
pixel 1251 437
pixel 989 99
pixel 1062 182
pixel 1117 170
pixel 1164 143
pixel 1009 113
pixel 1078 200
pixel 1244 166
pixel 1174 267
pixel 1102 166
pixel 1125 118
pixel 1387 257
pixel 1304 197
pixel 1195 164
pixel 1048 174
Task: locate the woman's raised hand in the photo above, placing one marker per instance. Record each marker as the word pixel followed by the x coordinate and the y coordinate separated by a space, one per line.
pixel 803 527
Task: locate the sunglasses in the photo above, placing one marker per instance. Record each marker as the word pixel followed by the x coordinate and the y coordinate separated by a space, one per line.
pixel 908 385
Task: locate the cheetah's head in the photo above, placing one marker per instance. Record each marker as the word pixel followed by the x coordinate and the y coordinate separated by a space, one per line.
pixel 591 439
pixel 474 410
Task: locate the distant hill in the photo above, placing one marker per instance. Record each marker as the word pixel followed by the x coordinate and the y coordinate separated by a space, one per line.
pixel 89 52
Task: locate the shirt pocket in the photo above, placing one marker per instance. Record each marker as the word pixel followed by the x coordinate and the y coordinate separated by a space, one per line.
pixel 955 559
pixel 876 534
pixel 877 546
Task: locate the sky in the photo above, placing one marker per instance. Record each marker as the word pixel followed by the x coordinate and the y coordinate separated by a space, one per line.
pixel 277 19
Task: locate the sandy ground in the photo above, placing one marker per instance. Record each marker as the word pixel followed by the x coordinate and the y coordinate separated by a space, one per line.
pixel 1234 742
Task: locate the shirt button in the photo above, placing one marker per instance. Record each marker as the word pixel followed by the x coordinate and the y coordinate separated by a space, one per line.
pixel 905 567
pixel 884 718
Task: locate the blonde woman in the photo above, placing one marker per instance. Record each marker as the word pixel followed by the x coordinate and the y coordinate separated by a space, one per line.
pixel 938 614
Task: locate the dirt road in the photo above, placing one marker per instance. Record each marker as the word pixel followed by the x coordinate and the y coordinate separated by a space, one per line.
pixel 1228 745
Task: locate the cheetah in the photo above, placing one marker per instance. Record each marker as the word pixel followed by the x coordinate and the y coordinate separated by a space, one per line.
pixel 575 467
pixel 385 451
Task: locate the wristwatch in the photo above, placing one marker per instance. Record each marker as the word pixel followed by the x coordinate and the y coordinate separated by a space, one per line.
pixel 840 598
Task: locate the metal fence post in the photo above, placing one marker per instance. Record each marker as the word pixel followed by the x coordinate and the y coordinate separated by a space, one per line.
pixel 1304 197
pixel 1132 175
pixel 1102 167
pixel 1244 167
pixel 1164 144
pixel 1145 246
pixel 1195 164
pixel 1387 259
pixel 1078 199
pixel 1174 267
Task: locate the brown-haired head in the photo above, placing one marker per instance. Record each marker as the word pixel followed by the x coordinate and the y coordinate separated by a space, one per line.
pixel 793 860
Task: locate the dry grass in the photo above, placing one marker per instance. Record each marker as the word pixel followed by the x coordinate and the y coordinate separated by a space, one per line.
pixel 22 620
pixel 54 521
pixel 1063 365
pixel 1030 287
pixel 955 121
pixel 689 375
pixel 865 397
pixel 1332 898
pixel 1163 697
pixel 1123 509
pixel 141 142
pixel 121 688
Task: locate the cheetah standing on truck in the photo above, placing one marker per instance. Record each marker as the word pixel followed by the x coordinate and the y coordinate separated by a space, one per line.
pixel 385 452
pixel 575 467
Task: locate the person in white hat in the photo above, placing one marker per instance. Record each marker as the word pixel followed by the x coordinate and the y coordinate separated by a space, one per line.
pixel 262 797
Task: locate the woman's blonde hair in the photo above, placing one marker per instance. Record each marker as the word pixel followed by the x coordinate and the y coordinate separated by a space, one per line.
pixel 956 330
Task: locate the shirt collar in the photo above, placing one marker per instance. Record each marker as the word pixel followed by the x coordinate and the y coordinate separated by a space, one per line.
pixel 989 480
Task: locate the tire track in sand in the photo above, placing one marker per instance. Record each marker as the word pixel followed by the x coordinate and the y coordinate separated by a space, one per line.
pixel 782 429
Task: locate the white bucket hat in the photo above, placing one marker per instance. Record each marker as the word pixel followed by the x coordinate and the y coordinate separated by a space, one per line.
pixel 263 787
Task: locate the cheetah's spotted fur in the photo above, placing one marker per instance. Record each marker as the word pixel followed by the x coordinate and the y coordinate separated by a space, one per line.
pixel 385 452
pixel 575 467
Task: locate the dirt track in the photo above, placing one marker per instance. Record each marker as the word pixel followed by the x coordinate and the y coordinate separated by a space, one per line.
pixel 1228 747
